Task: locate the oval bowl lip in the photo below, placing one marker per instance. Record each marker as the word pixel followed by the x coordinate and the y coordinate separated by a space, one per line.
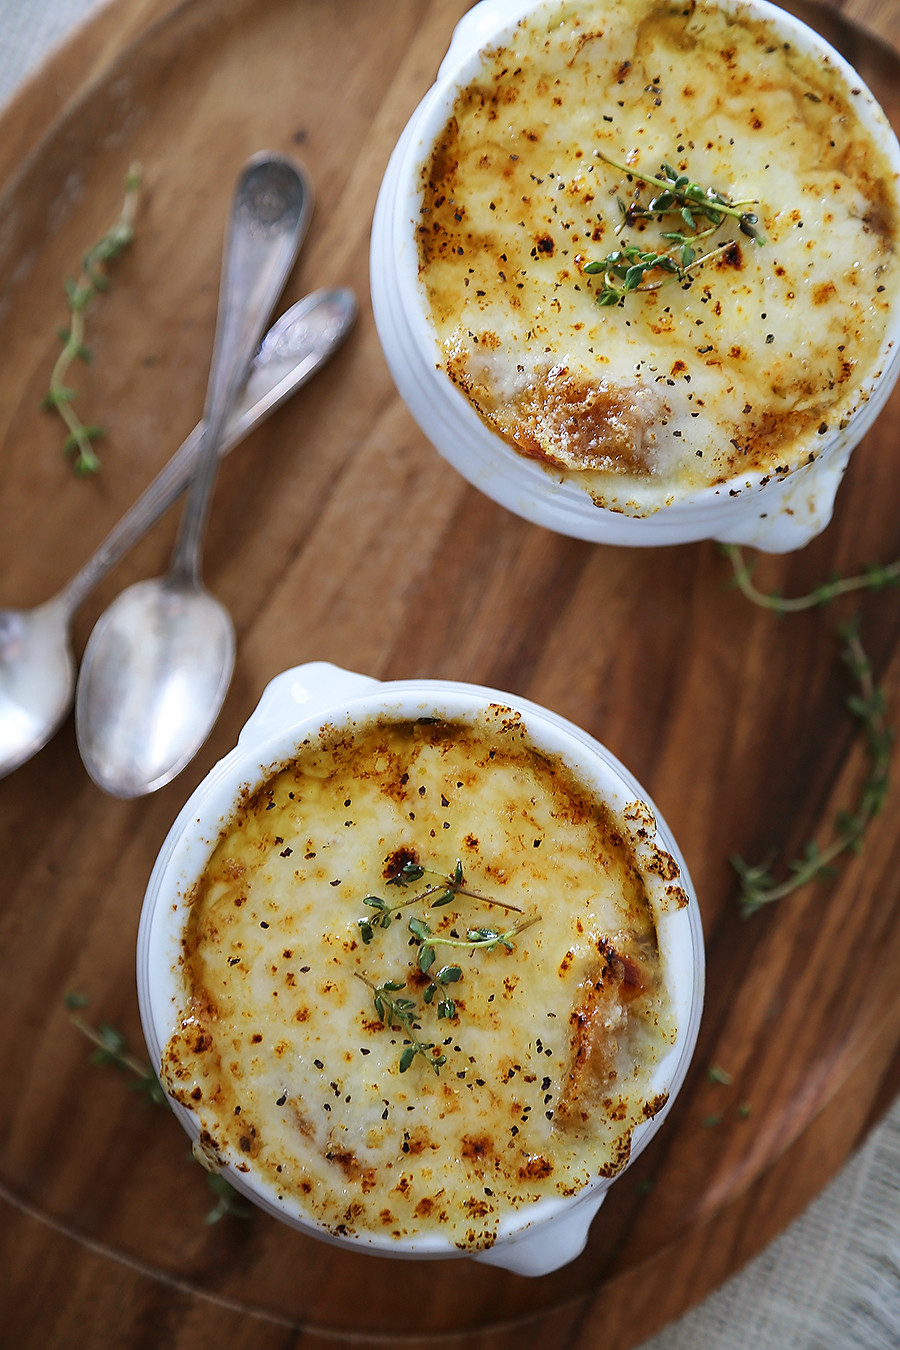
pixel 724 510
pixel 197 828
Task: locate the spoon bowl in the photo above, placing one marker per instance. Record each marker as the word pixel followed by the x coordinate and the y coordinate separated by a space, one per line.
pixel 167 656
pixel 37 676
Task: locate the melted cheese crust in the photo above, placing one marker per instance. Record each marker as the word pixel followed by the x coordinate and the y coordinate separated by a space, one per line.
pixel 743 369
pixel 281 1053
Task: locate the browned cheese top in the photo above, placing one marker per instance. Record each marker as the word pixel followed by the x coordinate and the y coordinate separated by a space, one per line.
pixel 742 364
pixel 522 1075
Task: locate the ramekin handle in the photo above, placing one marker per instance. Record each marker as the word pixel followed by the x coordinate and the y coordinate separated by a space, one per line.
pixel 800 511
pixel 547 1246
pixel 303 691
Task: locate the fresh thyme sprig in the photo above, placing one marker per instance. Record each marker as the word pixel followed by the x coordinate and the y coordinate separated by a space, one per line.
pixel 676 193
pixel 400 1014
pixel 111 1048
pixel 758 885
pixel 92 279
pixel 626 269
pixel 488 938
pixel 630 265
pixel 454 882
pixel 440 893
pixel 875 578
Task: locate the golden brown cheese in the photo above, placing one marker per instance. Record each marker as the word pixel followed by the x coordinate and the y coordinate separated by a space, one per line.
pixel 522 1077
pixel 746 363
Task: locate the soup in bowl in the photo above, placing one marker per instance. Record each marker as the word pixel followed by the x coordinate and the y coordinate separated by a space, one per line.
pixel 634 267
pixel 421 968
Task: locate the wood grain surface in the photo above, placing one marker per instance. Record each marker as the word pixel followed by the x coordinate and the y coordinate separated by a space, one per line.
pixel 339 534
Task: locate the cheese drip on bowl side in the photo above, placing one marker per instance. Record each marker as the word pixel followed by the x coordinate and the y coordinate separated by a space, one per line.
pixel 530 1079
pixel 748 363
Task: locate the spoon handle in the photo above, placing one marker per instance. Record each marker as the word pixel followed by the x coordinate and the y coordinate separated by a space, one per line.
pixel 293 349
pixel 266 225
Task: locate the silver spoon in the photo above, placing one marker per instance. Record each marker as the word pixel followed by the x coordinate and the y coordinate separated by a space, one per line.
pixel 37 665
pixel 158 664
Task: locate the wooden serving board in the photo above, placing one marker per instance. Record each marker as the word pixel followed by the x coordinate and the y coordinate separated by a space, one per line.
pixel 338 534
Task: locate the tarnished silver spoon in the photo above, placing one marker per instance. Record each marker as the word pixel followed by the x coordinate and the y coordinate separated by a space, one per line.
pixel 158 664
pixel 37 664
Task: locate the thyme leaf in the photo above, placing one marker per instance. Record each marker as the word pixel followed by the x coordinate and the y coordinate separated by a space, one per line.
pixel 675 193
pixel 488 938
pixel 111 1048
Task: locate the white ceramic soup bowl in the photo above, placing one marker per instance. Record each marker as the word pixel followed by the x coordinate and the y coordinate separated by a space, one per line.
pixel 536 1238
pixel 774 512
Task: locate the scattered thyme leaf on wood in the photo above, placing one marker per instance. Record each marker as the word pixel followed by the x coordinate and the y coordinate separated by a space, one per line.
pixel 701 213
pixel 93 279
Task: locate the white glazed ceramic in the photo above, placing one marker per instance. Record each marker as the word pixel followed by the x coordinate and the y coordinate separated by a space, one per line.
pixel 775 514
pixel 295 704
